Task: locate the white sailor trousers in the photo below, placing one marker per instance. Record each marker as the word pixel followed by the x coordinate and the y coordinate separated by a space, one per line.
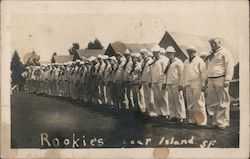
pixel 160 101
pixel 176 102
pixel 65 88
pixel 146 98
pixel 195 101
pixel 128 97
pixel 107 93
pixel 120 94
pixel 137 97
pixel 218 94
pixel 101 92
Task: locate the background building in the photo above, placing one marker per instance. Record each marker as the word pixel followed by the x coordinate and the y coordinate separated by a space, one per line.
pixel 119 47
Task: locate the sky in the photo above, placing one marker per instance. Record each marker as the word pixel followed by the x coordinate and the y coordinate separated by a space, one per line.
pixel 48 27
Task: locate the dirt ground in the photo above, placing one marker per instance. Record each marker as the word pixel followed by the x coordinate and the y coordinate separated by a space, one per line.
pixel 49 122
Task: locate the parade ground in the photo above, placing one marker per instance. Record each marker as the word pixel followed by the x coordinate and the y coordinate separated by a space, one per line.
pixel 51 122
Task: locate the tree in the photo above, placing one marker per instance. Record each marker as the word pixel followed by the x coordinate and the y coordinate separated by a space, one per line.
pixel 31 59
pixel 53 60
pixel 73 51
pixel 17 68
pixel 76 46
pixel 95 45
pixel 90 45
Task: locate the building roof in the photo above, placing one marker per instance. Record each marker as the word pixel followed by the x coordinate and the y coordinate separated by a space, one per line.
pixel 45 62
pixel 63 58
pixel 120 47
pixel 90 52
pixel 136 47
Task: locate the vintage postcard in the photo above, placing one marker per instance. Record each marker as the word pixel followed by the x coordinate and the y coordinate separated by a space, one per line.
pixel 125 79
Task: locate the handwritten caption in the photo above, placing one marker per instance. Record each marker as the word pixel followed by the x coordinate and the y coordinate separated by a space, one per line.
pixel 95 142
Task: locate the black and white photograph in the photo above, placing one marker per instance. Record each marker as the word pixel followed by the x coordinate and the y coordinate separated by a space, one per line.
pixel 167 78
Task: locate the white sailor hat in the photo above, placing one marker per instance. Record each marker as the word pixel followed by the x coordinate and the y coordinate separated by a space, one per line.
pixel 215 39
pixel 118 53
pixel 191 48
pixel 133 54
pixel 136 55
pixel 36 67
pixel 170 49
pixel 78 61
pixel 83 58
pixel 123 58
pixel 127 52
pixel 105 57
pixel 112 58
pixel 150 54
pixel 99 56
pixel 143 51
pixel 91 58
pixel 162 50
pixel 86 62
pixel 204 53
pixel 156 48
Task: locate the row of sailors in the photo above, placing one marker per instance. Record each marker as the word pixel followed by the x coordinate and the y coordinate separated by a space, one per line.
pixel 154 83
